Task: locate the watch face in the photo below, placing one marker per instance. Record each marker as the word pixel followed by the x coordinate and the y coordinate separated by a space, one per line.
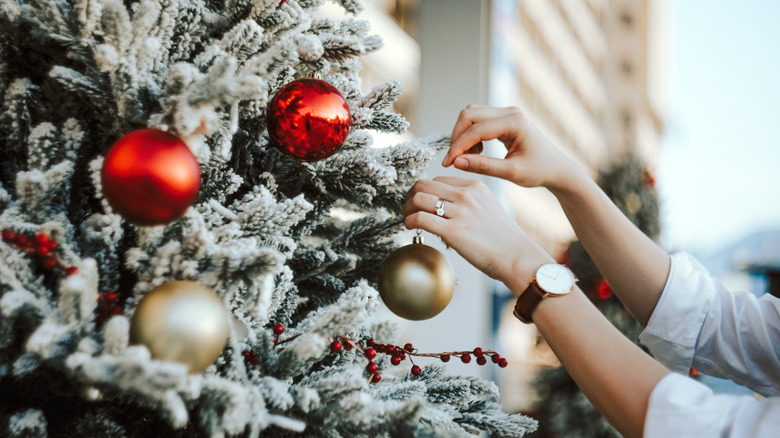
pixel 555 279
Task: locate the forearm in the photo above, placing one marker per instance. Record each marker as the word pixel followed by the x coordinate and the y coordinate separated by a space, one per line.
pixel 635 266
pixel 615 375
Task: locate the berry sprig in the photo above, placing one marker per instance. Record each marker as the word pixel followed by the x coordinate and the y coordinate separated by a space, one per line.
pixel 39 244
pixel 108 306
pixel 371 349
pixel 398 354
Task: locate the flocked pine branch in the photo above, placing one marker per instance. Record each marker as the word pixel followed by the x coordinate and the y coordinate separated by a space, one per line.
pixel 266 233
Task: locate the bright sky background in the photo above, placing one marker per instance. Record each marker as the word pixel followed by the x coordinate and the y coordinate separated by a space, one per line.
pixel 719 173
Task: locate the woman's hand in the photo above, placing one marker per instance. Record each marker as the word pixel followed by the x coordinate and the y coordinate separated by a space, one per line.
pixel 531 159
pixel 475 225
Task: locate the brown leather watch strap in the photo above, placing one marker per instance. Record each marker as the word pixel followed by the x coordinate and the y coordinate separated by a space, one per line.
pixel 527 302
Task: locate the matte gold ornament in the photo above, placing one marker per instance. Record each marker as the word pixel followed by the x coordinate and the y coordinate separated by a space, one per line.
pixel 181 321
pixel 416 281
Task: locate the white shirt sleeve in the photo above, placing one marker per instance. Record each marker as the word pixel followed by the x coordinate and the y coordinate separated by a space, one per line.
pixel 674 326
pixel 684 408
pixel 699 323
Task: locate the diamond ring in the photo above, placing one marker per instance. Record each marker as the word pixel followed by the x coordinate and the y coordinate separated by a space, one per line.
pixel 440 207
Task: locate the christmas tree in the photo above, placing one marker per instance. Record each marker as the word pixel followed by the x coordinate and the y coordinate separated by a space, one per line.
pixel 142 196
pixel 562 409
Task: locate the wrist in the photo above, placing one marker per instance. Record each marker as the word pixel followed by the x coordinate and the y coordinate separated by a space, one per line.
pixel 523 270
pixel 571 183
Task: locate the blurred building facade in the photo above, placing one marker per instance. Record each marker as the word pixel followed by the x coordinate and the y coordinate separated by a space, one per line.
pixel 589 73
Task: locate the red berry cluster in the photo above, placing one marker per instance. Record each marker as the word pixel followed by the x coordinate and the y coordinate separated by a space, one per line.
pixel 482 360
pixel 368 352
pixel 250 358
pixel 398 354
pixel 39 244
pixel 108 306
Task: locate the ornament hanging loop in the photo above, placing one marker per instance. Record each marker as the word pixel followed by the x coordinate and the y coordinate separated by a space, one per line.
pixel 418 239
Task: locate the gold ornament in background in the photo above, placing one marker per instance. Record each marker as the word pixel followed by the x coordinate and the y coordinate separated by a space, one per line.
pixel 182 322
pixel 633 203
pixel 416 281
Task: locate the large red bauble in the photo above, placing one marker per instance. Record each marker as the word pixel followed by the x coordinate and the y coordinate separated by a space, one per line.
pixel 150 177
pixel 308 119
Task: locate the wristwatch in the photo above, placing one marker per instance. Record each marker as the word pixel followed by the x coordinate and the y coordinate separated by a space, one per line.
pixel 552 280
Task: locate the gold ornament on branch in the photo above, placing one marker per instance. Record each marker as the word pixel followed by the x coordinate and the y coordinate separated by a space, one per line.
pixel 181 321
pixel 416 281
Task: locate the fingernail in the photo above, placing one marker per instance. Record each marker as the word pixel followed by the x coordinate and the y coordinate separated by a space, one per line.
pixel 444 161
pixel 461 163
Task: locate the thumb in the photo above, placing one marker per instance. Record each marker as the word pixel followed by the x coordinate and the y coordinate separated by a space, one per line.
pixel 497 167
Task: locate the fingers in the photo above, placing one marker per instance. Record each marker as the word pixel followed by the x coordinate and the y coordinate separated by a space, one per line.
pixel 428 222
pixel 454 181
pixel 476 149
pixel 420 201
pixel 477 113
pixel 478 123
pixel 423 202
pixel 437 188
pixel 472 114
pixel 423 196
pixel 497 167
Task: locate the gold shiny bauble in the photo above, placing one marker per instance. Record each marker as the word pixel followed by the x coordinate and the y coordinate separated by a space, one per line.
pixel 416 282
pixel 182 322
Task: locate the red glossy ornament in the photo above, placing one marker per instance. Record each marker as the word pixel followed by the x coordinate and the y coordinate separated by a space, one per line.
pixel 150 177
pixel 308 119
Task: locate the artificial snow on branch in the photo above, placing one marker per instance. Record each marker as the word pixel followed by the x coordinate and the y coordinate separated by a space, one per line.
pixel 280 244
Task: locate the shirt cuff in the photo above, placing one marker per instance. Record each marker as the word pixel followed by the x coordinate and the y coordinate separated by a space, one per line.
pixel 674 326
pixel 682 407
